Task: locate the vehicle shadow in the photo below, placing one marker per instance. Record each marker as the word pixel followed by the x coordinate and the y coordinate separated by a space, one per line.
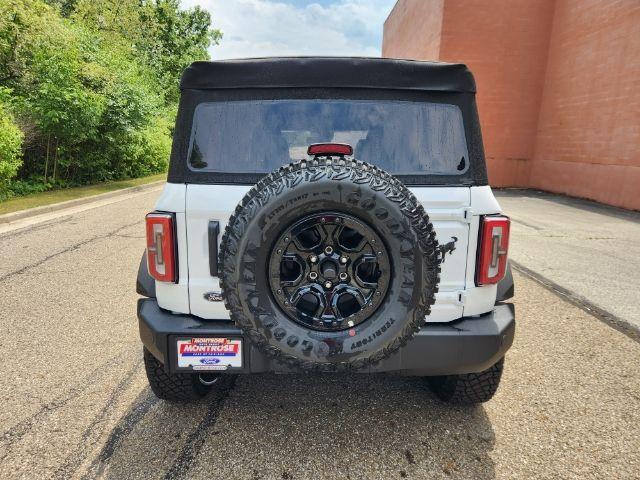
pixel 302 426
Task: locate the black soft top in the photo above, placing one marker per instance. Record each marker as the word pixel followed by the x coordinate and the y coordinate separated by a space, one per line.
pixel 326 72
pixel 330 78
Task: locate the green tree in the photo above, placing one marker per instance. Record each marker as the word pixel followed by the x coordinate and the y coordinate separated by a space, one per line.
pixel 166 37
pixel 64 109
pixel 182 36
pixel 93 86
pixel 10 146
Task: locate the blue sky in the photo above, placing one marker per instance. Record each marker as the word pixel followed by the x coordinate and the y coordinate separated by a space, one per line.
pixel 256 28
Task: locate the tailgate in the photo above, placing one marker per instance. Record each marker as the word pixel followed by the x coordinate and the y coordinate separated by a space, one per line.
pixel 448 208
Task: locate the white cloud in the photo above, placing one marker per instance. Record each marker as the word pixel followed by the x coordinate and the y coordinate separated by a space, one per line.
pixel 258 28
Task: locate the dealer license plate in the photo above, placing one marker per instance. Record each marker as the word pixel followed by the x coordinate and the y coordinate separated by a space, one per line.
pixel 208 353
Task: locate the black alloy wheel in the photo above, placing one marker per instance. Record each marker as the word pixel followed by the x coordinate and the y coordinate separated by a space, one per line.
pixel 329 271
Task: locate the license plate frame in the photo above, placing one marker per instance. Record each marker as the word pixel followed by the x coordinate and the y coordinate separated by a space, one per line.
pixel 204 353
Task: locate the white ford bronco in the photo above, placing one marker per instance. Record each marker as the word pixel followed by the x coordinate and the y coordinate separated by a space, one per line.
pixel 326 215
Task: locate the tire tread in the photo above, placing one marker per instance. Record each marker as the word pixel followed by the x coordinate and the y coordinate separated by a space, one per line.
pixel 177 387
pixel 470 388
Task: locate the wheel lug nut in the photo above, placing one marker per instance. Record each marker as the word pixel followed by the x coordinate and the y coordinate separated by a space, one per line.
pixel 343 259
pixel 313 275
pixel 328 250
pixel 327 284
pixel 313 259
pixel 343 276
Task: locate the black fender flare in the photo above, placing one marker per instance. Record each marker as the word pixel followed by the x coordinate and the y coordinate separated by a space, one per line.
pixel 145 284
pixel 505 286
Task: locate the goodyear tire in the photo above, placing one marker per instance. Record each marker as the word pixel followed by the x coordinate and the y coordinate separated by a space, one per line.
pixel 350 232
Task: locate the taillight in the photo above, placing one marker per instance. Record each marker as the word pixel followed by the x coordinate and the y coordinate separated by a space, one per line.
pixel 161 246
pixel 493 247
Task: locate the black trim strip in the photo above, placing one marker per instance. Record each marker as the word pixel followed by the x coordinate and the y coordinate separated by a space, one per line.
pixel 214 232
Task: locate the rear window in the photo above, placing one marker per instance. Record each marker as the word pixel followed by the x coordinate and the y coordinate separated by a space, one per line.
pixel 259 136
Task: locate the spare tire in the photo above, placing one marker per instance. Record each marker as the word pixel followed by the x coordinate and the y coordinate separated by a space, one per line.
pixel 329 265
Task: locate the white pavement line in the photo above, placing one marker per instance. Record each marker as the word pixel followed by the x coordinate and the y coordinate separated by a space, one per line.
pixel 35 211
pixel 100 202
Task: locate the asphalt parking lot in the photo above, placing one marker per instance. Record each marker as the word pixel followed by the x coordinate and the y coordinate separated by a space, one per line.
pixel 587 252
pixel 75 401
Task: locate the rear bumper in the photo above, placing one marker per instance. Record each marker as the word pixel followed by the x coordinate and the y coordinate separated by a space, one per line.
pixel 464 346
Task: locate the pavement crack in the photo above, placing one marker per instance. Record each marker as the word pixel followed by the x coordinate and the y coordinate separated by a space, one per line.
pixel 74 460
pixel 34 228
pixel 192 446
pixel 526 224
pixel 70 248
pixel 14 434
pixel 130 236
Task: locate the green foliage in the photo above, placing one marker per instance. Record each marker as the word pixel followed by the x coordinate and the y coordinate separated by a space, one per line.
pixel 28 186
pixel 89 88
pixel 10 146
pixel 185 32
pixel 166 37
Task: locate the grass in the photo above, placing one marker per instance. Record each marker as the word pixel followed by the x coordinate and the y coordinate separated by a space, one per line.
pixel 63 194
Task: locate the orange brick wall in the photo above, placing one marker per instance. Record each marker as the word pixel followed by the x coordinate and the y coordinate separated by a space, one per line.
pixel 588 136
pixel 420 39
pixel 558 86
pixel 504 44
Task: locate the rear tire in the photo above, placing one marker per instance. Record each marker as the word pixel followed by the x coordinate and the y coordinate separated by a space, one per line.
pixel 469 388
pixel 176 387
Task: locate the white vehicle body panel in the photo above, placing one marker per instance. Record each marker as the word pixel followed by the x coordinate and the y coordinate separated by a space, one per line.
pixel 206 203
pixel 175 296
pixel 454 212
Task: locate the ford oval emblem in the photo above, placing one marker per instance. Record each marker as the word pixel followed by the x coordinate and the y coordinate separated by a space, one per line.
pixel 209 361
pixel 213 296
